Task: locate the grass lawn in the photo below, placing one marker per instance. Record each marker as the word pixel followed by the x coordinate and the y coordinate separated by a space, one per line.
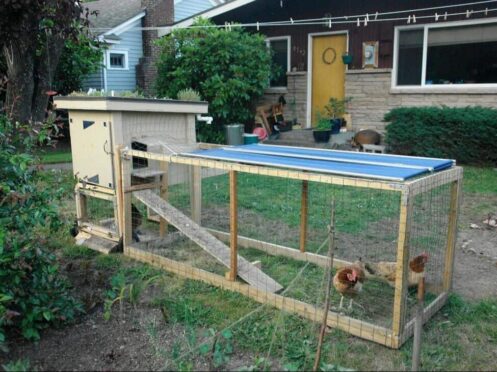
pixel 462 336
pixel 53 156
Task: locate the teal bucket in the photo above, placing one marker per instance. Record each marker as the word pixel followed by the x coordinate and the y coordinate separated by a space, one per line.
pixel 250 138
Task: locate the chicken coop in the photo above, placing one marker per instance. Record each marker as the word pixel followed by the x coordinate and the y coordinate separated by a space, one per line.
pixel 255 219
pixel 98 125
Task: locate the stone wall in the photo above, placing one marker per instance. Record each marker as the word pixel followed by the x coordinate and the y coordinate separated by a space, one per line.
pixel 295 95
pixel 372 97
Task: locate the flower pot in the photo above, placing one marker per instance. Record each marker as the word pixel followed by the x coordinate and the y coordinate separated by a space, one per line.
pixel 347 59
pixel 336 124
pixel 321 135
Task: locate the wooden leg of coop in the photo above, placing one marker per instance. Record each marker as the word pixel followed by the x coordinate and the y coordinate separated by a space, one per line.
pixel 233 227
pixel 196 193
pixel 81 205
pixel 164 189
pixel 126 168
pixel 303 215
pixel 399 308
pixel 119 191
pixel 455 189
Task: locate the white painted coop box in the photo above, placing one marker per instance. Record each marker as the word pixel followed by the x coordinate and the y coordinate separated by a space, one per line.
pixel 98 125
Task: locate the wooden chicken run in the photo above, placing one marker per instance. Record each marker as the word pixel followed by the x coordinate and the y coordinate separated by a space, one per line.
pixel 271 204
pixel 254 219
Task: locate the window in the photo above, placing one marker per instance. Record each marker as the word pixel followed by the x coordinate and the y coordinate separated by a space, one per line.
pixel 463 55
pixel 281 58
pixel 117 60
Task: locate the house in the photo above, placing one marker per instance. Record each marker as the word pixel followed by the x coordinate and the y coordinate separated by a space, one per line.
pixel 128 61
pixel 404 53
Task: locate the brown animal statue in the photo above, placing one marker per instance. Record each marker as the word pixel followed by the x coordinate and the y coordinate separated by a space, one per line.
pixel 366 137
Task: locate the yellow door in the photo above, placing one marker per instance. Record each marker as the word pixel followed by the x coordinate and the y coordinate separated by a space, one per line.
pixel 328 71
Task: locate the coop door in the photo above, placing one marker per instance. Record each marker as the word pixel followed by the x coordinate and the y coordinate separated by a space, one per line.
pixel 91 143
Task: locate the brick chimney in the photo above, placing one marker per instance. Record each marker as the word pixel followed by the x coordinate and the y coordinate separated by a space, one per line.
pixel 158 13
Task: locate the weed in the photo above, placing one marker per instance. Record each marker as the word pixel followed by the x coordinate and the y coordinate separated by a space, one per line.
pixel 105 262
pixel 78 251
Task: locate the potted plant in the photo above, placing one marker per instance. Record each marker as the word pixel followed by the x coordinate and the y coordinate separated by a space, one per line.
pixel 322 130
pixel 335 109
pixel 347 58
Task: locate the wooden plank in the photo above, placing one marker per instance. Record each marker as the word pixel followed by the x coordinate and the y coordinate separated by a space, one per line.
pixel 303 215
pixel 99 231
pixel 164 192
pixel 233 226
pixel 81 205
pixel 196 193
pixel 97 194
pixel 268 171
pixel 402 268
pixel 455 190
pixel 146 173
pixel 101 189
pixel 127 233
pixel 143 186
pixel 280 250
pixel 355 327
pixel 119 189
pixel 206 241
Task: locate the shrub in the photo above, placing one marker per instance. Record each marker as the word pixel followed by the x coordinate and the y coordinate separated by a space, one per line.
pixel 229 69
pixel 188 95
pixel 32 295
pixel 466 134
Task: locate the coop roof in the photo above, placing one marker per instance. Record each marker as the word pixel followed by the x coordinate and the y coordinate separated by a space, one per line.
pixel 344 163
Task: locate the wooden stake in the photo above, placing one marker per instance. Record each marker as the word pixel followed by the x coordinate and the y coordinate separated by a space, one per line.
pixel 196 193
pixel 331 252
pixel 233 226
pixel 418 326
pixel 303 215
pixel 119 189
pixel 127 233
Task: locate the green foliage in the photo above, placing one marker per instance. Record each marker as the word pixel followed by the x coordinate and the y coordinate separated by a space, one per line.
pixel 20 365
pixel 230 70
pixel 336 108
pixel 322 123
pixel 80 57
pixel 104 93
pixel 32 295
pixel 466 134
pixel 189 95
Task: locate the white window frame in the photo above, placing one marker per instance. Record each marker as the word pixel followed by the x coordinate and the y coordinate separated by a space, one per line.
pixel 115 51
pixel 288 39
pixel 427 88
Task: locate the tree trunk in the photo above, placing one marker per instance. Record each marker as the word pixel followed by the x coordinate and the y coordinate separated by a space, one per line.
pixel 20 84
pixel 44 75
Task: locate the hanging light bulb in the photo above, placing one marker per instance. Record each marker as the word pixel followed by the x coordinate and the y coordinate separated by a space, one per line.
pixel 329 23
pixel 376 16
pixel 291 20
pixel 436 17
pixel 365 22
pixel 358 22
pixel 257 26
pixel 409 19
pixel 281 3
pixel 445 16
pixel 414 18
pixel 486 11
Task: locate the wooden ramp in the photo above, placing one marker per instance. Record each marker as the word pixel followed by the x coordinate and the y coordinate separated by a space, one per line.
pixel 206 241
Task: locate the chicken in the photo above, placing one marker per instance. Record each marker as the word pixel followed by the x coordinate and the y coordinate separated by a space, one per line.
pixel 348 282
pixel 387 270
pixel 136 221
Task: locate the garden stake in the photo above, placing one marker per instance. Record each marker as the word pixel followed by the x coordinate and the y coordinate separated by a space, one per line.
pixel 331 250
pixel 418 326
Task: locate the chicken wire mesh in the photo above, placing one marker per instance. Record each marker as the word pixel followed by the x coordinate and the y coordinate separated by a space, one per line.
pixel 269 220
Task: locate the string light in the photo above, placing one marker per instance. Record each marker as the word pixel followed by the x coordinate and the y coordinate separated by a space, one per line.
pixel 414 18
pixel 358 22
pixel 329 23
pixel 436 17
pixel 257 26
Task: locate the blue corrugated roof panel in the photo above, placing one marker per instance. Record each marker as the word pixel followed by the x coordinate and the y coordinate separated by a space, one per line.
pixel 375 166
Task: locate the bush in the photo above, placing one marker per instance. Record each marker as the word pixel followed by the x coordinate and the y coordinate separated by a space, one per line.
pixel 32 295
pixel 230 70
pixel 467 134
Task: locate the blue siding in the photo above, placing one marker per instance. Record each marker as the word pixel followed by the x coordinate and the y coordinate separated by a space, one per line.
pixel 186 8
pixel 119 80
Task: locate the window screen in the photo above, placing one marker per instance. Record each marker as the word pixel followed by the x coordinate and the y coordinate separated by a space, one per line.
pixel 117 60
pixel 462 55
pixel 410 57
pixel 280 59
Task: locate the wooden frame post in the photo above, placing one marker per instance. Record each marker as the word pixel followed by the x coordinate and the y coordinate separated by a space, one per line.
pixel 399 303
pixel 119 190
pixel 303 215
pixel 81 205
pixel 164 191
pixel 196 193
pixel 233 226
pixel 127 233
pixel 455 190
